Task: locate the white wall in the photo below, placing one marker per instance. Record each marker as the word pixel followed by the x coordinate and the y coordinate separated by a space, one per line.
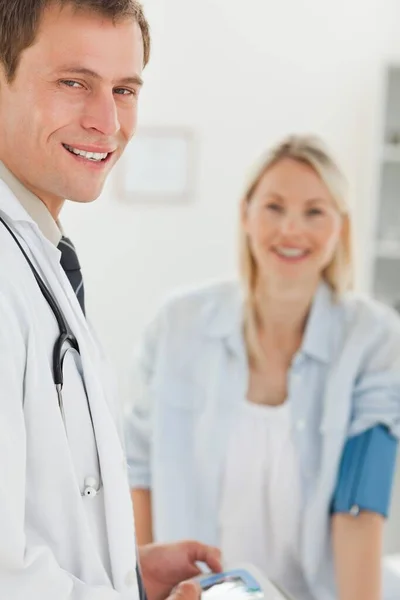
pixel 240 73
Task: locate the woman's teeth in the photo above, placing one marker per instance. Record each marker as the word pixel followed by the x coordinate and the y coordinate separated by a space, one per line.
pixel 291 252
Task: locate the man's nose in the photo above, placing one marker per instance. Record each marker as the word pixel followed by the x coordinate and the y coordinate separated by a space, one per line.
pixel 101 114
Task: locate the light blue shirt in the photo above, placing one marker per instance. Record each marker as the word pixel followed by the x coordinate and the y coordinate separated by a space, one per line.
pixel 191 375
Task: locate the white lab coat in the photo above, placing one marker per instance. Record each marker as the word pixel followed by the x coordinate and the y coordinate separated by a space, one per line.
pixel 49 549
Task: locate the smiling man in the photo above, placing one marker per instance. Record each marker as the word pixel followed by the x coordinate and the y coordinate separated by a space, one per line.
pixel 70 77
pixel 69 100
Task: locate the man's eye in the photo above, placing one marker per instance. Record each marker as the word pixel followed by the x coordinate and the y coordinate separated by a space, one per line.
pixel 71 83
pixel 124 92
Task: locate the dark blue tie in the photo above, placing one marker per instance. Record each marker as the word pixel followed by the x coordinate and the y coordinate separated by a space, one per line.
pixel 70 263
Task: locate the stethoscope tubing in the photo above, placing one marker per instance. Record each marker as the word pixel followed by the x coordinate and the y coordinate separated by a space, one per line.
pixel 65 336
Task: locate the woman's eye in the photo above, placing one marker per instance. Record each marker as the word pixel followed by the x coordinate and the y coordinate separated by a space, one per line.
pixel 274 207
pixel 314 212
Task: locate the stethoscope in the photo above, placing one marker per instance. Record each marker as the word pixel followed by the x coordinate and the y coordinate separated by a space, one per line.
pixel 65 337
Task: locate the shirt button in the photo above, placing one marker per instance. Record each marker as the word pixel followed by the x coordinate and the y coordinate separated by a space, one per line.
pixel 130 578
pixel 300 424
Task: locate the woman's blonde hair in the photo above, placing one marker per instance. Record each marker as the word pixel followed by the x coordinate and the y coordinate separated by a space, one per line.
pixel 311 151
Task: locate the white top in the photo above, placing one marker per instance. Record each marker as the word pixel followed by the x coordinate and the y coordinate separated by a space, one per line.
pixel 261 504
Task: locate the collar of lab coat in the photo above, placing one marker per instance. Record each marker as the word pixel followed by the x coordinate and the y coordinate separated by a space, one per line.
pixel 224 320
pixel 13 211
pixel 33 206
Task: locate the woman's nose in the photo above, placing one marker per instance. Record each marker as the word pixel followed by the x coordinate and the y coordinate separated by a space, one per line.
pixel 291 225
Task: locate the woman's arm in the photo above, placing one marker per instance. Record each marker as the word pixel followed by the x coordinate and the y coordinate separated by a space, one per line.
pixel 141 500
pixel 357 548
pixel 138 433
pixel 360 506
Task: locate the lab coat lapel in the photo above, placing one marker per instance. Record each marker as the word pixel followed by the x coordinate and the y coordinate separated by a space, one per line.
pixel 118 506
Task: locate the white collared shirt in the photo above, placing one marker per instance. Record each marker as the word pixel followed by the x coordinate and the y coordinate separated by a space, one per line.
pixel 35 208
pixel 191 375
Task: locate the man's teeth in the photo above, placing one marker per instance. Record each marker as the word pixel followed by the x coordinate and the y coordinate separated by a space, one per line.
pixel 89 155
pixel 291 252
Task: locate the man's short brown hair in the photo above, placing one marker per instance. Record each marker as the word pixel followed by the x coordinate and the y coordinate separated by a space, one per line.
pixel 20 21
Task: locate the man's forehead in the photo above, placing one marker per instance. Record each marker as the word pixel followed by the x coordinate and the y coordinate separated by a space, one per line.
pixel 84 27
pixel 79 42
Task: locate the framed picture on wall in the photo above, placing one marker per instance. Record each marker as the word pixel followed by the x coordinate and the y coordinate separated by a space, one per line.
pixel 157 166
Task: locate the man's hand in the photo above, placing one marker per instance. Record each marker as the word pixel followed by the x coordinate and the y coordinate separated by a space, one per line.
pixel 188 590
pixel 164 566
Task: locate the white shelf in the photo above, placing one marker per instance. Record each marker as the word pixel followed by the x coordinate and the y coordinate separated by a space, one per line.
pixel 384 250
pixel 388 249
pixel 391 153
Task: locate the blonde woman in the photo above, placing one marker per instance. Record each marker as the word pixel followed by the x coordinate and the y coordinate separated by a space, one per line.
pixel 268 412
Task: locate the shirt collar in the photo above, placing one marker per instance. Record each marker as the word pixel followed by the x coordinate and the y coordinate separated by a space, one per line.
pixel 319 336
pixel 35 208
pixel 225 318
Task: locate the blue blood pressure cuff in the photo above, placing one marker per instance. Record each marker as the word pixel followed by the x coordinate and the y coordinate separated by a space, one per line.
pixel 366 473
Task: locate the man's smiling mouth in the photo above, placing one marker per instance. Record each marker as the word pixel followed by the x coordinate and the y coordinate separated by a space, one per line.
pixel 93 156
